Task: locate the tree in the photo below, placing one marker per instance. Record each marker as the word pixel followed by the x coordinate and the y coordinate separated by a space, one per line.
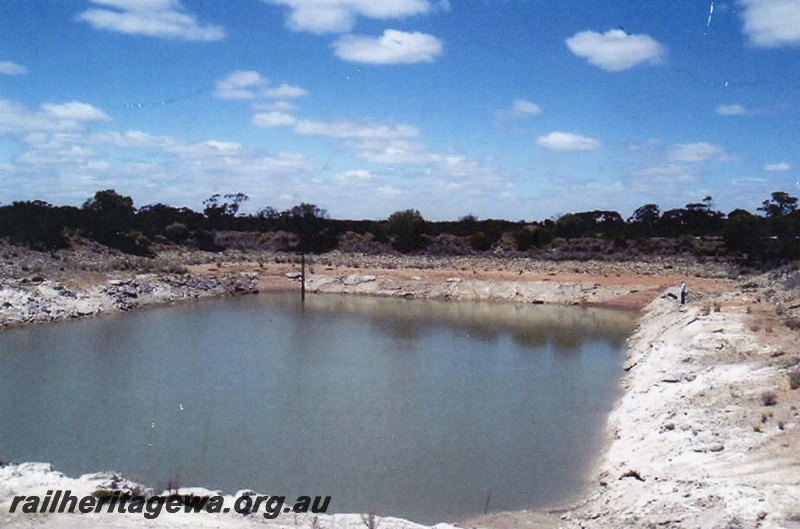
pixel 110 212
pixel 743 233
pixel 570 226
pixel 308 221
pixel 406 229
pixel 645 219
pixel 110 218
pixel 220 212
pixel 701 219
pixel 36 223
pixel 780 204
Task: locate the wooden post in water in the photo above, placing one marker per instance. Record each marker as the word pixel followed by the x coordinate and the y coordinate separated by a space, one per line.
pixel 302 276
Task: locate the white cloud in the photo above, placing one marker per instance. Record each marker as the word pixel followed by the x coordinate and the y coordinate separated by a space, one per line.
pixel 18 119
pixel 247 84
pixel 643 145
pixel 394 152
pixel 274 119
pixel 525 108
pixel 732 110
pixel 355 176
pixel 375 143
pixel 772 23
pixel 131 139
pixel 284 91
pixel 565 141
pixel 344 129
pixel 615 50
pixel 203 150
pixel 153 18
pixel 697 152
pixel 57 158
pixel 12 68
pixel 76 111
pixel 780 166
pixel 339 16
pixel 239 85
pixel 273 106
pixel 520 108
pixel 665 173
pixel 392 47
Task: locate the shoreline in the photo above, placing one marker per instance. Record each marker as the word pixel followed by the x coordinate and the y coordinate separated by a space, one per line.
pixel 671 458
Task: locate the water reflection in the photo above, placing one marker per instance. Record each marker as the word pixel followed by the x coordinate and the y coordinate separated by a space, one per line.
pixel 530 325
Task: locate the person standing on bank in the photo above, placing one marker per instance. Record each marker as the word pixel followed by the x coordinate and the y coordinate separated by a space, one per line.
pixel 683 293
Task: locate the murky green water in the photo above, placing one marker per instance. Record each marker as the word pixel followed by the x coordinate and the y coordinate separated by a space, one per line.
pixel 410 408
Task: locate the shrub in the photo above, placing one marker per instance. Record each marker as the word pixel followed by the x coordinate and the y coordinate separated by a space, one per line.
pixel 524 239
pixel 406 229
pixel 177 232
pixel 769 398
pixel 479 242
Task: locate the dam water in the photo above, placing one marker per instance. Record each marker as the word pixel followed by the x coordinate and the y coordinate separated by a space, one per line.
pixel 419 409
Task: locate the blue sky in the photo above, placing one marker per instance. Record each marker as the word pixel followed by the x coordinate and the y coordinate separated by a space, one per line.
pixel 515 109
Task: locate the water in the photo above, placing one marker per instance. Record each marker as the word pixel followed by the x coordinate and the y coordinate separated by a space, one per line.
pixel 410 408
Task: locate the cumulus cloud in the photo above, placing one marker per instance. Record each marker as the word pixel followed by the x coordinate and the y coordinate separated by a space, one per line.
pixel 392 47
pixel 520 108
pixel 376 143
pixel 732 110
pixel 344 129
pixel 12 68
pixel 152 18
pixel 339 16
pixel 76 111
pixel 284 91
pixel 394 152
pixel 247 84
pixel 615 50
pixel 355 176
pixel 273 106
pixel 274 119
pixel 665 173
pixel 18 119
pixel 697 152
pixel 780 166
pixel 239 85
pixel 771 23
pixel 566 141
pixel 525 108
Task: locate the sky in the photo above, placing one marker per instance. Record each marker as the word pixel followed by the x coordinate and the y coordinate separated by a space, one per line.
pixel 515 109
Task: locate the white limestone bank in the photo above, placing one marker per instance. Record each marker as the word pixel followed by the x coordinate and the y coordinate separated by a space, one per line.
pixel 695 440
pixel 25 302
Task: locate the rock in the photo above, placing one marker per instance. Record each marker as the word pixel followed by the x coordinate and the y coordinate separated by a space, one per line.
pixel 632 474
pixel 713 447
pixel 358 279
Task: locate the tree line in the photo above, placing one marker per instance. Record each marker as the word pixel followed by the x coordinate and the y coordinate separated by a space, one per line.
pixel 770 235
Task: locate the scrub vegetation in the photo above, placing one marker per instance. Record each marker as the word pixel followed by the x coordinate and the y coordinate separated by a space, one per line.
pixel 765 239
